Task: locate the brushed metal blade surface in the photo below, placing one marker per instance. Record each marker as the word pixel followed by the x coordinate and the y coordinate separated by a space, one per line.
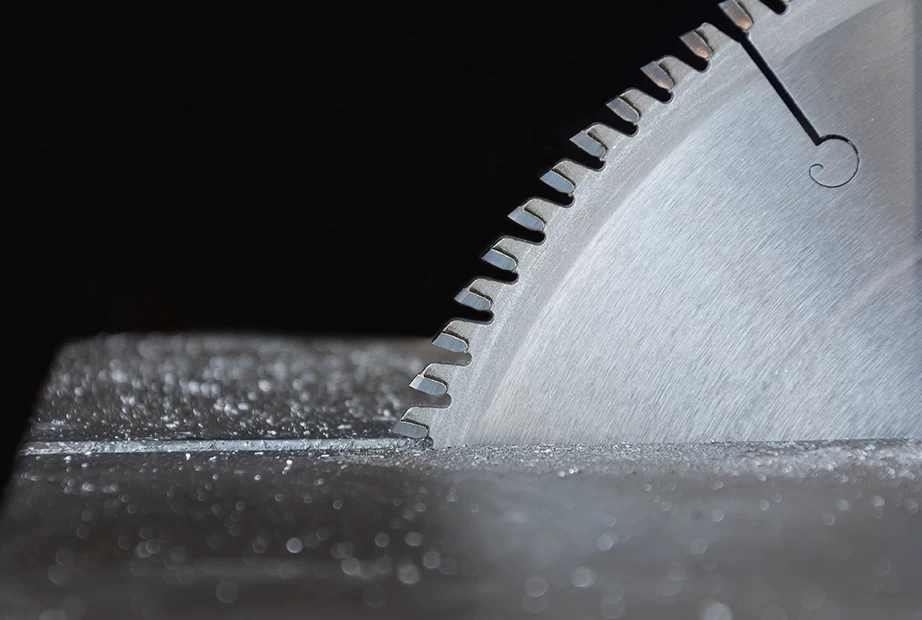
pixel 726 275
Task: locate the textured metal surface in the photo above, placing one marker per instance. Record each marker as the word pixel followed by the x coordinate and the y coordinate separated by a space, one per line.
pixel 773 532
pixel 173 527
pixel 721 277
pixel 226 388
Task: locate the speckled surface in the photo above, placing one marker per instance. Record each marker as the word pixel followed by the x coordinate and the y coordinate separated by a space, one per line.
pixel 702 532
pixel 227 387
pixel 797 531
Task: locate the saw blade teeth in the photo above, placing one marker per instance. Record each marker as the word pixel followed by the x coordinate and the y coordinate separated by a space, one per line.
pixel 573 172
pixel 697 44
pixel 589 144
pixel 411 429
pixel 676 69
pixel 640 102
pixel 757 11
pixel 420 415
pixel 604 134
pixel 737 14
pixel 474 299
pixel 464 329
pixel 450 342
pixel 624 110
pixel 500 259
pixel 657 74
pixel 555 180
pixel 526 219
pixel 429 385
pixel 713 36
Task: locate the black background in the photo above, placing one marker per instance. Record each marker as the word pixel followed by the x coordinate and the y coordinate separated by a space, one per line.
pixel 337 169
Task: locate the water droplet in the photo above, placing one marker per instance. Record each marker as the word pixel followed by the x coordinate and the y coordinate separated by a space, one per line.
pixel 408 574
pixel 829 519
pixel 605 542
pixel 58 575
pixel 413 539
pixel 432 559
pixel 582 577
pixel 714 610
pixel 717 516
pixel 294 545
pixel 536 585
pixel 226 591
pixel 877 501
pixel 382 539
pixel 350 566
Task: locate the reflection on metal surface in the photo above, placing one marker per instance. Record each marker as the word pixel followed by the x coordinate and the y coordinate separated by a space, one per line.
pixel 708 283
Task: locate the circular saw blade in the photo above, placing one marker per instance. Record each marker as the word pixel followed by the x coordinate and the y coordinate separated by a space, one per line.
pixel 746 267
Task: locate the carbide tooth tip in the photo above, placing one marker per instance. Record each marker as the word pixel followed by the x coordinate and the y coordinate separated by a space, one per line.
pixel 624 110
pixel 500 259
pixel 411 430
pixel 588 144
pixel 473 300
pixel 450 342
pixel 737 14
pixel 698 45
pixel 658 75
pixel 427 385
pixel 526 219
pixel 557 181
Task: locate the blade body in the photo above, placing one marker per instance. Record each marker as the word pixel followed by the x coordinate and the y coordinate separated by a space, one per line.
pixel 726 275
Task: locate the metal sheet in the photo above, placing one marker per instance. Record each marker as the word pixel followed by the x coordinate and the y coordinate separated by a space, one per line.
pixel 211 387
pixel 118 529
pixel 745 531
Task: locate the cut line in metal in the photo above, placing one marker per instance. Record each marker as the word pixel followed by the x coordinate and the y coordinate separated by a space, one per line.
pixel 40 448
